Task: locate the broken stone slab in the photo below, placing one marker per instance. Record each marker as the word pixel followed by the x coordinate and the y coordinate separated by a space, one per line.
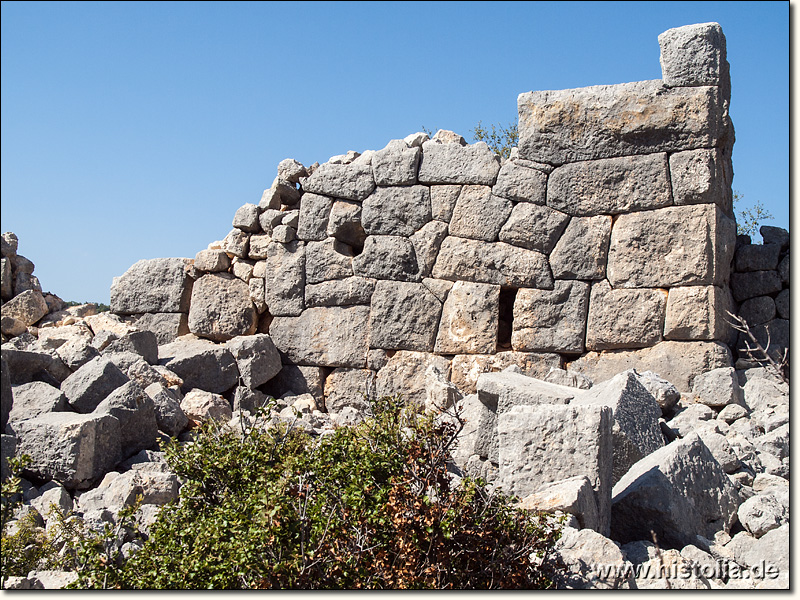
pixel 34 399
pixel 466 368
pixel 153 286
pixel 352 181
pixel 694 55
pixel 635 431
pixel 677 362
pixel 661 493
pixel 573 495
pixel 404 373
pixel 135 411
pixel 334 336
pixel 610 186
pixel 396 210
pixel 624 318
pixel 498 263
pixel 582 250
pixel 443 201
pixel 605 121
pixel 257 358
pixel 646 250
pixel 551 320
pixel 699 313
pixel 718 388
pixel 396 164
pixel 340 292
pixel 387 257
pixel 221 308
pixel 544 443
pixel 702 177
pixel 166 326
pixel 469 319
pixel 520 183
pixel 200 364
pixel 478 214
pixel 690 418
pixel 473 164
pixel 534 227
pixel 403 316
pixel 88 386
pixel 73 449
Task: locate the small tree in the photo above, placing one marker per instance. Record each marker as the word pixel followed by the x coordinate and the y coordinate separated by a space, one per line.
pixel 748 220
pixel 499 139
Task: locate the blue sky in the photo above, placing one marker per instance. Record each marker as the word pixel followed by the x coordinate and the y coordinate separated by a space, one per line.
pixel 135 130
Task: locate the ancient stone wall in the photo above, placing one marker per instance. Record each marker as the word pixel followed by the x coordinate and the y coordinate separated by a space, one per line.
pixel 604 242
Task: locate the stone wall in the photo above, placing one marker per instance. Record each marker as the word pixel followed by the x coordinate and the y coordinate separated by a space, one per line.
pixel 604 242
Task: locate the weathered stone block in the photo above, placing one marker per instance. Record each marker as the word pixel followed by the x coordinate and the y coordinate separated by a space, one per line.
pixel 757 257
pixel 520 183
pixel 89 385
pixel 498 263
pixel 246 218
pixel 605 121
pixel 27 307
pixel 326 260
pixel 396 164
pixel 469 319
pixel 427 242
pixel 156 285
pixel 551 321
pixel 34 399
pixel 478 214
pixel 699 313
pixel 352 181
pixel 702 177
pixel 297 380
pixel 573 495
pixel 443 201
pixel 344 223
pixel 694 55
pixel 200 364
pixel 404 316
pixel 647 250
pixel 754 283
pixel 314 213
pixel 782 304
pixel 582 250
pixel 257 358
pixel 326 336
pixel 610 186
pixel 221 308
pixel 340 292
pixel 453 163
pixel 349 388
pixel 718 388
pixel 534 227
pixel 544 443
pixel 404 373
pixel 285 278
pixel 396 210
pixel 135 411
pixel 774 235
pixel 165 326
pixel 466 368
pixel 387 257
pixel 624 318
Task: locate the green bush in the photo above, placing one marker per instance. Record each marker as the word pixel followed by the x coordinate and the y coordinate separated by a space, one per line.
pixel 368 506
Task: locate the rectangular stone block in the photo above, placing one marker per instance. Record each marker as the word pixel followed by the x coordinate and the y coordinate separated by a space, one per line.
pixel 453 163
pixel 605 121
pixel 156 285
pixel 466 368
pixel 702 176
pixel 699 313
pixel 624 318
pixel 673 246
pixel 610 186
pixel 551 321
pixel 694 55
pixel 545 443
pixel 469 319
pixel 285 278
pixel 403 316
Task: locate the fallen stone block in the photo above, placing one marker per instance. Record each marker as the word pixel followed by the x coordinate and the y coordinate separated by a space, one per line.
pixel 159 285
pixel 573 495
pixel 36 398
pixel 200 364
pixel 257 358
pixel 135 411
pixel 92 383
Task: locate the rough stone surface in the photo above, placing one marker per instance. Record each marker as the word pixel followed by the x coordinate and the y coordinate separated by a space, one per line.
pixel 349 388
pixel 453 163
pixel 143 343
pixel 327 336
pixel 257 358
pixel 718 388
pixel 443 201
pixel 200 364
pixel 135 411
pixel 404 316
pixel 396 164
pixel 89 385
pixel 340 292
pixel 344 223
pixel 573 495
pixel 757 257
pixel 285 278
pixel 665 394
pixel 478 214
pixel 396 211
pixel 694 55
pixel 387 257
pixel 660 493
pixel 404 373
pixel 535 227
pixel 699 313
pixel 520 183
pixel 34 399
pixel 427 242
pixel 582 250
pixel 469 319
pixel 298 380
pixel 351 181
pixel 152 286
pixel 782 304
pixel 328 259
pixel 314 213
pixel 466 368
pixel 551 321
pixel 170 418
pixel 581 551
pixel 624 318
pixel 754 283
pixel 701 177
pixel 221 308
pixel 166 326
pixel 201 406
pixel 27 307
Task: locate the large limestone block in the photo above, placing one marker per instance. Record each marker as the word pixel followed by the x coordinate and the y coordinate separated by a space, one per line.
pixel 443 201
pixel 152 286
pixel 453 163
pixel 396 164
pixel 679 491
pixel 478 214
pixel 404 373
pixel 469 319
pixel 404 316
pixel 285 278
pixel 702 177
pixel 200 364
pixel 520 183
pixel 74 450
pixel 498 263
pixel 221 308
pixel 582 250
pixel 344 223
pixel 534 227
pixel 334 336
pixel 352 181
pixel 673 246
pixel 257 358
pixel 396 210
pixel 677 362
pixel 544 443
pixel 340 292
pixel 610 186
pixel 166 326
pixel 34 399
pixel 605 121
pixel 699 313
pixel 135 411
pixel 427 242
pixel 88 386
pixel 624 318
pixel 635 432
pixel 348 388
pixel 327 260
pixel 573 495
pixel 27 307
pixel 387 257
pixel 314 213
pixel 466 368
pixel 551 320
pixel 694 55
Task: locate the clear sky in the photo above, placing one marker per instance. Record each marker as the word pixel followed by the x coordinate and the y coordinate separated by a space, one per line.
pixel 135 130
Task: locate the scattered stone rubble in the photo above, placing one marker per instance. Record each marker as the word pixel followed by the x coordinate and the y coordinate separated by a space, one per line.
pixel 571 300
